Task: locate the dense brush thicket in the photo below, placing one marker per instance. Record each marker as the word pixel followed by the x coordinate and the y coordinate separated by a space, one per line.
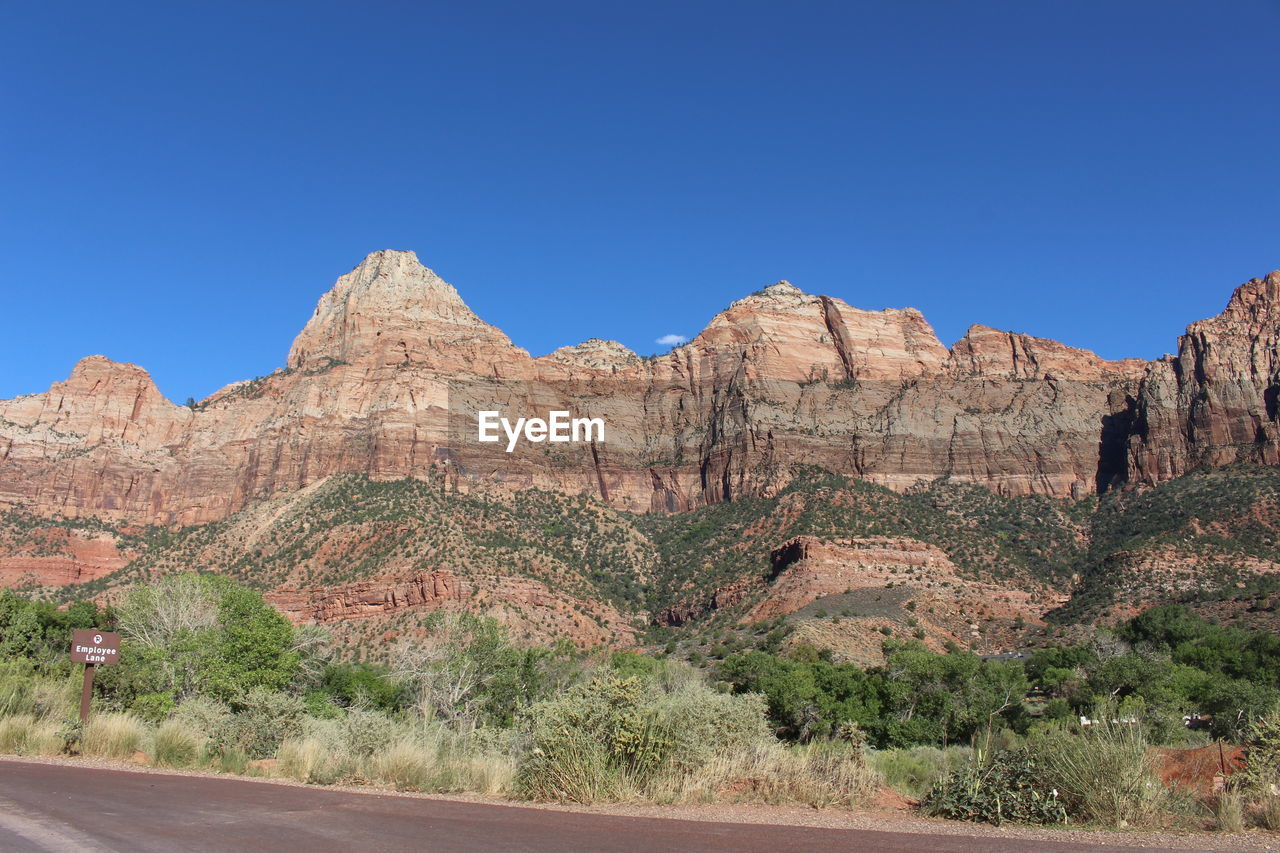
pixel 213 676
pixel 210 675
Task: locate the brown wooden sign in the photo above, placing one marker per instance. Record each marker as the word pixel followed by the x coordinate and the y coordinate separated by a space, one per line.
pixel 94 646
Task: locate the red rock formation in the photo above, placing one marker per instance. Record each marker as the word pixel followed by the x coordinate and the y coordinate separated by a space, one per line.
pixel 58 557
pixel 1216 401
pixel 432 591
pixel 383 377
pixel 808 568
pixel 527 607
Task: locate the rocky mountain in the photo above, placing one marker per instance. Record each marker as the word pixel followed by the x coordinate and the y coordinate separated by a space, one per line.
pixel 385 380
pixel 380 380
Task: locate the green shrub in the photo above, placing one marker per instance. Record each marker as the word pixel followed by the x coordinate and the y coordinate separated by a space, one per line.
pixel 201 715
pixel 233 760
pixel 260 722
pixel 997 787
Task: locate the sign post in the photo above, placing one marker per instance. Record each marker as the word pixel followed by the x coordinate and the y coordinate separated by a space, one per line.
pixel 92 647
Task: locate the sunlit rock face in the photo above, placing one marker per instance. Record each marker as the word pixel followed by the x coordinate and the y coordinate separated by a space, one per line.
pixel 385 375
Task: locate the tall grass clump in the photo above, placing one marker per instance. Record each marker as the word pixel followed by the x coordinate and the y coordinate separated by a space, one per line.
pixel 305 759
pixel 406 765
pixel 1104 773
pixel 116 735
pixel 24 691
pixel 176 745
pixel 25 734
pixel 821 775
pixel 1228 812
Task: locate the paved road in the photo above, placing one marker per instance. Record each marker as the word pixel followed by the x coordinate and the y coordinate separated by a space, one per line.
pixel 47 807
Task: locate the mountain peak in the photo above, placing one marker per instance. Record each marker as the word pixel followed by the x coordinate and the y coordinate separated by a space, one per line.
pixel 389 300
pixel 1255 296
pixel 782 286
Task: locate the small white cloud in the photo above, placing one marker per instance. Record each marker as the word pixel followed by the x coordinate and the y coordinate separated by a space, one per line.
pixel 671 340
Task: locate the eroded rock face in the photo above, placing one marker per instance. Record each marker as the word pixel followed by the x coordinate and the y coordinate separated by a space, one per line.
pixel 808 568
pixel 528 608
pixel 848 594
pixel 375 382
pixel 57 557
pixel 1215 402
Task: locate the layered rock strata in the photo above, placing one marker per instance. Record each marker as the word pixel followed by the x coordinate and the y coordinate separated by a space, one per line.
pixel 384 378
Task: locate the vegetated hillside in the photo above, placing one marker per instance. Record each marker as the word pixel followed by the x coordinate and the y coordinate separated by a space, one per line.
pixel 1210 539
pixel 351 550
pixel 1032 541
pixel 943 563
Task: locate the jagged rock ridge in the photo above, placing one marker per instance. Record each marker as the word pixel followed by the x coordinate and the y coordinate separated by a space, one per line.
pixel 381 376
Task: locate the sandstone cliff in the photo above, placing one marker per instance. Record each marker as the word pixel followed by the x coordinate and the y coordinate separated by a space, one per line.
pixel 1215 402
pixel 382 379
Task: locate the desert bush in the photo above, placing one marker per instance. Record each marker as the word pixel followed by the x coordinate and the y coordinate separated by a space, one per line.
pixel 364 733
pixel 260 722
pixel 673 738
pixel 1258 783
pixel 601 740
pixel 176 745
pixel 997 786
pixel 1103 774
pixel 572 765
pixel 117 735
pixel 201 715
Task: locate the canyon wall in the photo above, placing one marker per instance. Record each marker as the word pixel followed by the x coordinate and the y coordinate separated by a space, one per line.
pixel 385 378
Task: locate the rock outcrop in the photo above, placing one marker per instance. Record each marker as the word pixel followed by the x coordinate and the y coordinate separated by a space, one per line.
pixel 1218 400
pixel 385 379
pixel 809 568
pixel 54 556
pixel 528 608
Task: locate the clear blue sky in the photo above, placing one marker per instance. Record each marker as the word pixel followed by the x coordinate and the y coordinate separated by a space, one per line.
pixel 180 182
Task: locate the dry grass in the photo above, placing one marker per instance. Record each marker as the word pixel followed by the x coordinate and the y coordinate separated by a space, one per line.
pixel 405 766
pixel 310 760
pixel 1264 811
pixel 25 734
pixel 1228 812
pixel 820 775
pixel 113 736
pixel 176 745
